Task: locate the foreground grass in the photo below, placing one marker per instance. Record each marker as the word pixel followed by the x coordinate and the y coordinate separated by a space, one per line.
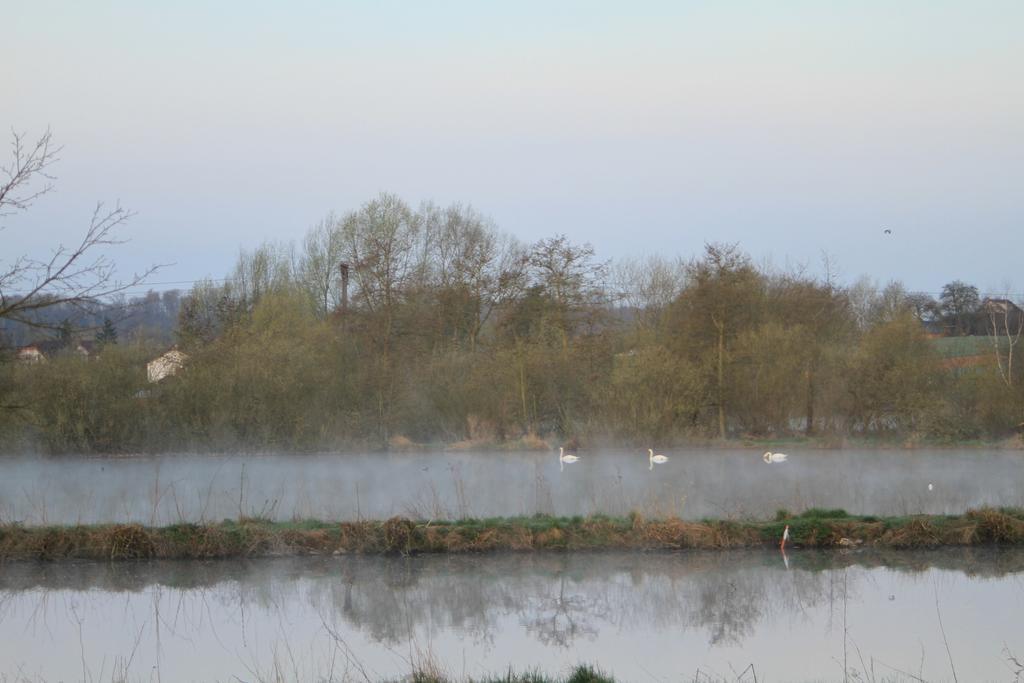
pixel 589 674
pixel 261 538
pixel 580 674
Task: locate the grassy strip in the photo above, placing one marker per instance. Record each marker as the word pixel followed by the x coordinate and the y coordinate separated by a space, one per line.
pixel 261 538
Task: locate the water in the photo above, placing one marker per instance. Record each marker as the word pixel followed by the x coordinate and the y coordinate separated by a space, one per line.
pixel 693 484
pixel 644 617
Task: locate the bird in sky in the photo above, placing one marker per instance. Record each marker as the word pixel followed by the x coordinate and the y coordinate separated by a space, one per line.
pixel 887 231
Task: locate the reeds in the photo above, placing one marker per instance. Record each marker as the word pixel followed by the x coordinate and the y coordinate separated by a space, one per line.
pixel 580 674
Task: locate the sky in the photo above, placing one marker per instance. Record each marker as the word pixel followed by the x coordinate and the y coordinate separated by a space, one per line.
pixel 794 128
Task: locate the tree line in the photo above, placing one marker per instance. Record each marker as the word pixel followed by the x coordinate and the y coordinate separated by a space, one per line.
pixel 152 316
pixel 449 330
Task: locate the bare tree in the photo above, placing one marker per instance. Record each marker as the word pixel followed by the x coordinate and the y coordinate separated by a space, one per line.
pixel 648 285
pixel 571 276
pixel 1005 319
pixel 80 274
pixel 264 270
pixel 924 307
pixel 862 295
pixel 382 242
pixel 472 257
pixel 322 251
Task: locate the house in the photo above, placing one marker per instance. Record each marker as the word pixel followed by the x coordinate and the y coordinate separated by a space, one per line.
pixel 1002 316
pixel 41 351
pixel 166 364
pixel 1001 306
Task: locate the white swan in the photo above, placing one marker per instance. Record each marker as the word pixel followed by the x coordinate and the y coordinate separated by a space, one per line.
pixel 564 457
pixel 770 457
pixel 652 458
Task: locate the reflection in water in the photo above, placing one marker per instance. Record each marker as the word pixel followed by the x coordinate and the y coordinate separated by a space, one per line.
pixel 643 616
pixel 438 485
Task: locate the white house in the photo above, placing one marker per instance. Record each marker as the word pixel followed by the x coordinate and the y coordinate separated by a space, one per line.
pixel 166 364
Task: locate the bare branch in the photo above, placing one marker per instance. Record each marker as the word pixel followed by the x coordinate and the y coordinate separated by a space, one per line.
pixel 81 274
pixel 28 163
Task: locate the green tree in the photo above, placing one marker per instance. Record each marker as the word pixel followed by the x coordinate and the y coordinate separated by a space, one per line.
pixel 65 334
pixel 724 296
pixel 895 380
pixel 959 304
pixel 384 241
pixel 75 407
pixel 107 335
pixel 207 312
pixel 821 314
pixel 769 381
pixel 653 394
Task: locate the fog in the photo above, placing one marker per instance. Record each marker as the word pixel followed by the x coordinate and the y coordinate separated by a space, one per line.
pixel 438 485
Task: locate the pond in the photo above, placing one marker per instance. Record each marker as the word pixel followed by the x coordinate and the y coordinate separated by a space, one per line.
pixel 643 617
pixel 693 484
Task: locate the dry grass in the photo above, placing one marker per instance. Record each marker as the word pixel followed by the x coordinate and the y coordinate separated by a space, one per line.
pixel 531 442
pixel 470 445
pixel 996 526
pixel 919 532
pixel 400 442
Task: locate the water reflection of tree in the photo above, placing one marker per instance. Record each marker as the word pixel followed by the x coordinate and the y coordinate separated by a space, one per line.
pixel 729 607
pixel 395 599
pixel 558 599
pixel 561 619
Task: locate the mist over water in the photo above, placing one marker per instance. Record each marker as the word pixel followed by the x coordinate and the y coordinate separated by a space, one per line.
pixel 445 485
pixel 655 616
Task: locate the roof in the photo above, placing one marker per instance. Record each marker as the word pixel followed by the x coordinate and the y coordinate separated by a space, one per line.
pixel 46 346
pixel 51 347
pixel 1000 305
pixel 174 350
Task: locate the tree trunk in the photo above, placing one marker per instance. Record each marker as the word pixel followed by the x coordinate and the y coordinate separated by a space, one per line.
pixel 721 378
pixel 522 389
pixel 809 427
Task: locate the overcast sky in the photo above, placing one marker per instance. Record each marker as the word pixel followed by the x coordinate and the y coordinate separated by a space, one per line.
pixel 793 128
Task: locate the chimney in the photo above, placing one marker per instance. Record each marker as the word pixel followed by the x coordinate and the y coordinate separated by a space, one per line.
pixel 343 267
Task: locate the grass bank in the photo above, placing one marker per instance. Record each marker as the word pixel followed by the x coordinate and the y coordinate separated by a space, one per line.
pixel 261 538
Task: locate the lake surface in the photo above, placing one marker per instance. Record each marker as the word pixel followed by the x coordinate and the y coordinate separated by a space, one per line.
pixel 693 484
pixel 644 617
